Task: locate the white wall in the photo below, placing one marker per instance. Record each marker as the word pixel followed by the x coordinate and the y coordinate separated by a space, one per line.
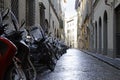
pixel 71 26
pixel 50 15
pixel 56 22
pixel 99 12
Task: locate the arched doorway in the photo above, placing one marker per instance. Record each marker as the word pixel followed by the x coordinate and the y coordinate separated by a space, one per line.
pixel 46 26
pixel 117 13
pixel 14 8
pixel 88 38
pixel 30 10
pixel 95 35
pixel 57 33
pixel 100 35
pixel 42 15
pixel 105 33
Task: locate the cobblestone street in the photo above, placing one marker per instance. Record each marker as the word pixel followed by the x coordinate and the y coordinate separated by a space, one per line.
pixel 76 65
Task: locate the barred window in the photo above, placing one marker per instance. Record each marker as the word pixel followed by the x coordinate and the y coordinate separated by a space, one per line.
pixel 14 7
pixel 30 12
pixel 1 5
pixel 42 14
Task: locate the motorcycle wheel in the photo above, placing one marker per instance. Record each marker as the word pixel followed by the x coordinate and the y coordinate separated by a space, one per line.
pixel 30 70
pixel 51 65
pixel 12 74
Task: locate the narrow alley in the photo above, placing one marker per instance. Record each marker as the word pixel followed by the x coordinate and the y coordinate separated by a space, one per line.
pixel 59 39
pixel 77 65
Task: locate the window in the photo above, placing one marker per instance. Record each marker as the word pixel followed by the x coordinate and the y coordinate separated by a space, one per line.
pixel 42 14
pixel 1 5
pixel 14 7
pixel 53 24
pixel 30 12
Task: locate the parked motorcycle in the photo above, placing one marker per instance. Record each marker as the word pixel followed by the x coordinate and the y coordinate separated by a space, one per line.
pixel 40 52
pixel 15 63
pixel 44 48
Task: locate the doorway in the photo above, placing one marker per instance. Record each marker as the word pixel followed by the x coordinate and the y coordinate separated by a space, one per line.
pixel 105 33
pixel 100 35
pixel 117 13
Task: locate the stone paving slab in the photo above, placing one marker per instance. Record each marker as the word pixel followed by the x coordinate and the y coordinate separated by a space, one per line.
pixel 77 65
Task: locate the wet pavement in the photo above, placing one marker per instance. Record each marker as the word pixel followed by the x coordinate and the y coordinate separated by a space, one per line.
pixel 77 65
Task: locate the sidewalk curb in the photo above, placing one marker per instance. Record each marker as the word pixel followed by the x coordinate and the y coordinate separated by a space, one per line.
pixel 111 61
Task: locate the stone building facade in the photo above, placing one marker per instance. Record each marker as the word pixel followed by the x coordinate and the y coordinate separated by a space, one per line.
pixel 84 11
pixel 23 10
pixel 49 16
pixel 106 22
pixel 71 31
pixel 104 31
pixel 44 13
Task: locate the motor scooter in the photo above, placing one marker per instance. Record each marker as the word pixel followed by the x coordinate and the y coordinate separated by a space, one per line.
pixel 7 55
pixel 15 63
pixel 39 49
